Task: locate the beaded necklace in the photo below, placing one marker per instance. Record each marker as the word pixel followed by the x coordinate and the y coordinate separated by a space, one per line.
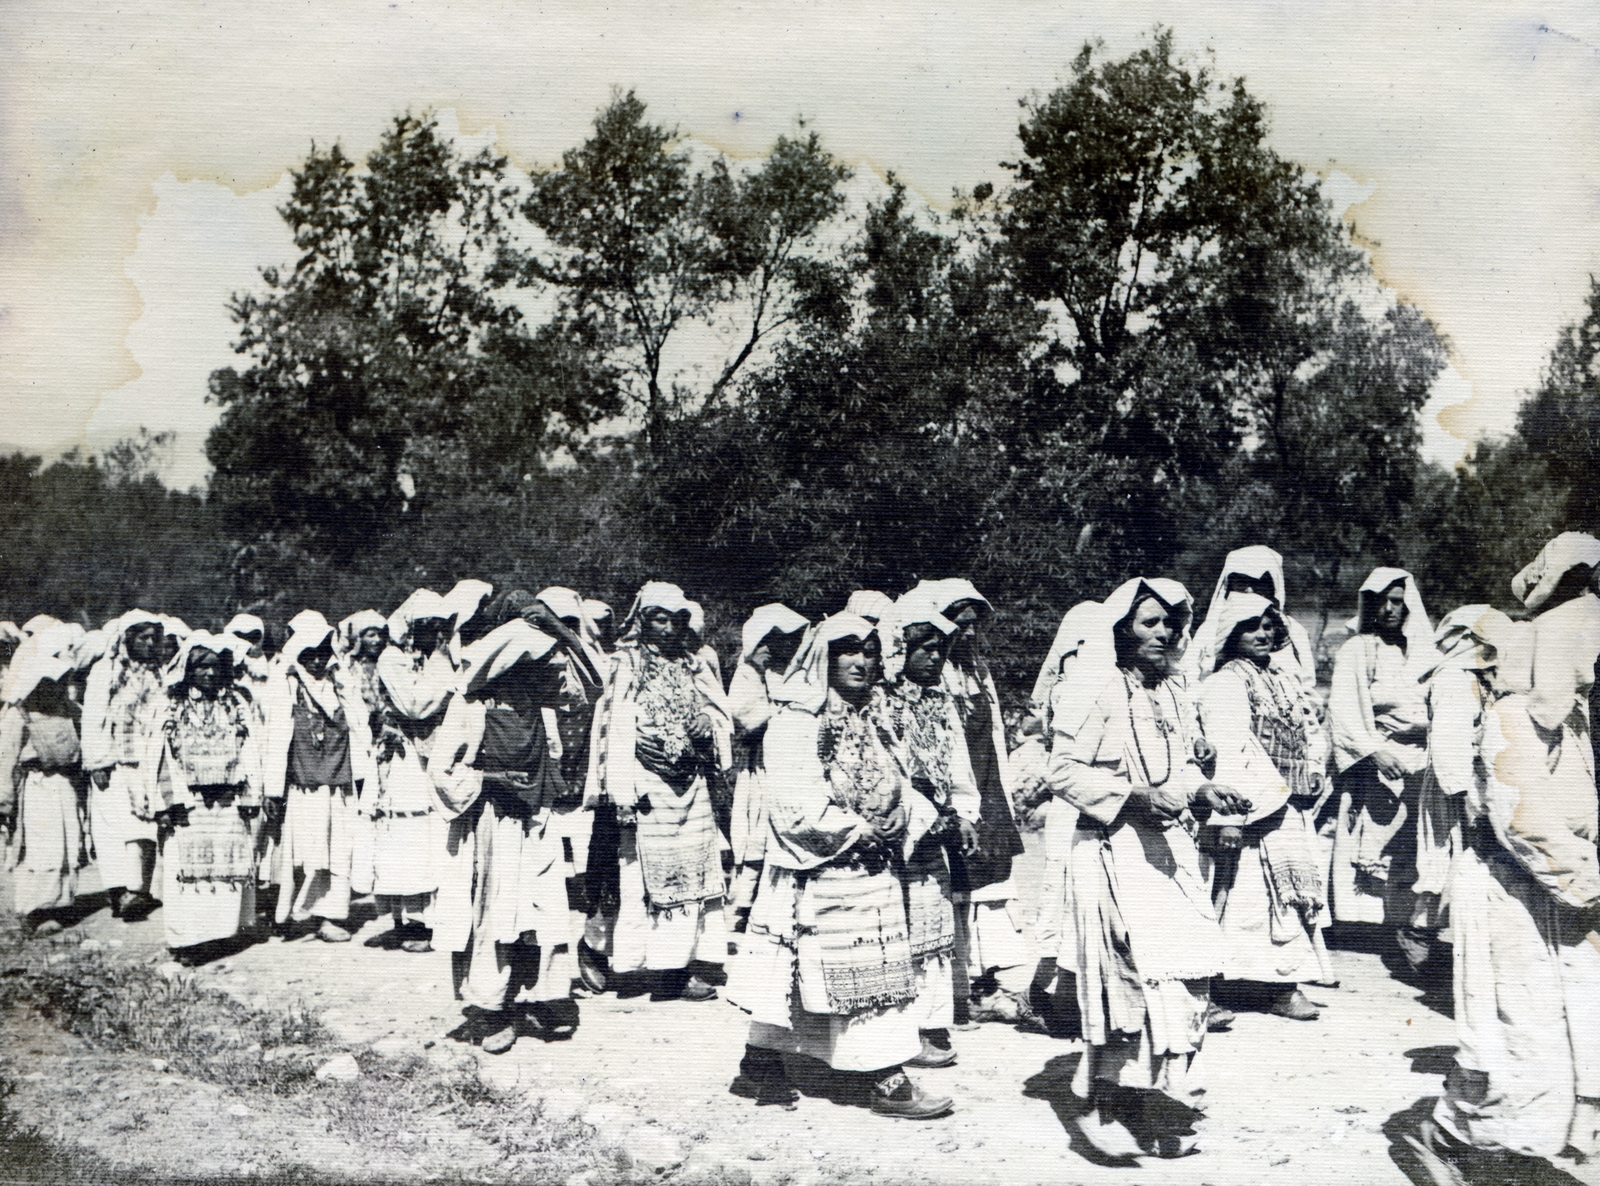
pixel 1164 726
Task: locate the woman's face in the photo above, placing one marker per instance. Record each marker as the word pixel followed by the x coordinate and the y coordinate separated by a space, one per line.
pixel 1390 613
pixel 252 642
pixel 143 642
pixel 966 615
pixel 853 665
pixel 425 634
pixel 1255 639
pixel 925 654
pixel 370 642
pixel 316 659
pixel 662 628
pixel 1155 632
pixel 208 673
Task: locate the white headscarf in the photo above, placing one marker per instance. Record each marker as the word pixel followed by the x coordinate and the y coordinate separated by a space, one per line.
pixel 1080 685
pixel 1534 585
pixel 422 605
pixel 308 630
pixel 243 625
pixel 806 684
pixel 177 671
pixel 870 604
pixel 464 601
pixel 1255 562
pixel 31 666
pixel 912 609
pixel 947 592
pixel 1078 625
pixel 655 595
pixel 763 620
pixel 1417 629
pixel 41 621
pixel 498 651
pixel 566 603
pixel 1224 619
pixel 352 628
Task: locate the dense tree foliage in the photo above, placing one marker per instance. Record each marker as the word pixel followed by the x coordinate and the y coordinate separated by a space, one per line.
pixel 765 381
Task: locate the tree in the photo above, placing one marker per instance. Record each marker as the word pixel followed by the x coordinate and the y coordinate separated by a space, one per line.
pixel 643 242
pixel 378 359
pixel 1561 422
pixel 1149 213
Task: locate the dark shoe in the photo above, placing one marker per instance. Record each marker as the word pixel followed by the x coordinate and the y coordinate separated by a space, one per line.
pixel 679 985
pixel 500 1041
pixel 387 941
pixel 935 1053
pixel 591 968
pixel 896 1096
pixel 417 946
pixel 138 906
pixel 1218 1019
pixel 762 1078
pixel 552 1021
pixel 1415 946
pixel 1293 1005
pixel 117 896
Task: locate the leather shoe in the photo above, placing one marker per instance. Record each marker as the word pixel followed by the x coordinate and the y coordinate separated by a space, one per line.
pixel 900 1099
pixel 933 1056
pixel 1293 1005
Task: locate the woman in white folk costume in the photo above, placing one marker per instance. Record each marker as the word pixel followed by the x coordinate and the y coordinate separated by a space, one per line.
pixel 122 701
pixel 988 934
pixel 660 729
pixel 925 724
pixel 1122 753
pixel 503 910
pixel 318 761
pixel 203 779
pixel 464 605
pixel 249 654
pixel 1264 866
pixel 826 967
pixel 1525 889
pixel 1255 569
pixel 1053 994
pixel 768 642
pixel 1378 721
pixel 41 785
pixel 416 676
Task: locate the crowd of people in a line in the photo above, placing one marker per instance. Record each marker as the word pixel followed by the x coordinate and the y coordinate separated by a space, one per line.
pixel 570 806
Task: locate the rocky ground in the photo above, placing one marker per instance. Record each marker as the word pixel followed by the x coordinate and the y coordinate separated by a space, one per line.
pixel 334 1063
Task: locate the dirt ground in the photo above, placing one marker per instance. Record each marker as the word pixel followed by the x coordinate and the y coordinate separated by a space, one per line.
pixel 1290 1102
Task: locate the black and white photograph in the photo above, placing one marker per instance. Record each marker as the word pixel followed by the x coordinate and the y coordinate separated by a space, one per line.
pixel 799 593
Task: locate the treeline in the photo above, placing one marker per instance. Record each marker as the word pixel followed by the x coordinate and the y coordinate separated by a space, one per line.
pixel 1154 342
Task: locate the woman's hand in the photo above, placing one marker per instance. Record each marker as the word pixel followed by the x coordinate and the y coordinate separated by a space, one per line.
pixel 101 778
pixel 1165 802
pixel 1214 797
pixel 1229 838
pixel 1388 763
pixel 1205 755
pixel 891 827
pixel 699 727
pixel 272 811
pixel 654 758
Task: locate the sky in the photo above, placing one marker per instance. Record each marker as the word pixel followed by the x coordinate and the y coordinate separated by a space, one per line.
pixel 142 155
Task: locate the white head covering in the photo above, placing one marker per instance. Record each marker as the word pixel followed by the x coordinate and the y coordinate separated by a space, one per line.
pixel 870 604
pixel 1225 617
pixel 1255 562
pixel 1081 684
pixel 947 592
pixel 175 627
pixel 806 684
pixel 655 595
pixel 697 617
pixel 1469 638
pixel 598 611
pixel 307 630
pixel 1077 626
pixel 465 599
pixel 763 620
pixel 11 632
pixel 502 649
pixel 30 667
pixel 912 609
pixel 118 629
pixel 226 645
pixel 1534 585
pixel 350 630
pixel 1417 629
pixel 422 605
pixel 244 625
pixel 566 603
pixel 37 623
pixel 90 647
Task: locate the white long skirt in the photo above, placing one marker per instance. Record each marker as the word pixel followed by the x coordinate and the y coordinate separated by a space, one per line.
pixel 47 849
pixel 118 833
pixel 203 911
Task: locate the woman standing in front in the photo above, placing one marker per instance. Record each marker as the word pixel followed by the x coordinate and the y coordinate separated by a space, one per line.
pixel 203 790
pixel 660 729
pixel 826 970
pixel 1378 718
pixel 1266 884
pixel 1148 943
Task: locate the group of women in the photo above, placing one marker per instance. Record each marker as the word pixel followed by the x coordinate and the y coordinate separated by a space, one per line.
pixel 565 811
